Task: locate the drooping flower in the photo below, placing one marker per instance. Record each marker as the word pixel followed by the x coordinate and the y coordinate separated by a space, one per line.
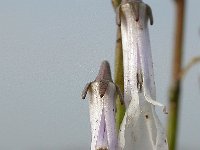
pixel 141 129
pixel 102 95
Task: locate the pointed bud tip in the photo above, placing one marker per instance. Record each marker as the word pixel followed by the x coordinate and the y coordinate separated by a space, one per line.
pixel 105 63
pixel 104 71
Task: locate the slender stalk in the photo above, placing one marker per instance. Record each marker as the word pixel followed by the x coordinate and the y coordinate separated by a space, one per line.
pixel 116 3
pixel 119 77
pixel 175 88
pixel 191 63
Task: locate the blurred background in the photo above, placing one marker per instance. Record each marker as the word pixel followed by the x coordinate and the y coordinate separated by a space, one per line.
pixel 50 49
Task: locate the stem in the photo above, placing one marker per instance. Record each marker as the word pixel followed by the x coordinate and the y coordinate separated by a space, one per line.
pixel 119 73
pixel 192 62
pixel 119 77
pixel 116 3
pixel 175 89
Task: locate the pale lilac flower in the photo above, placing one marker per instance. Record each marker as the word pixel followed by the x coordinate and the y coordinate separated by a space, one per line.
pixel 102 95
pixel 141 129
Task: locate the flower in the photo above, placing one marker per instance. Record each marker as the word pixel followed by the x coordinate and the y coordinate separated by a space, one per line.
pixel 141 129
pixel 102 95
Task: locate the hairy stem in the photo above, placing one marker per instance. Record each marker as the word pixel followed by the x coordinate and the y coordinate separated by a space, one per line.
pixel 175 88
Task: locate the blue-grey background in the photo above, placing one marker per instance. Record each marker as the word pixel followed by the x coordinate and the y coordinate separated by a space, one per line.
pixel 49 49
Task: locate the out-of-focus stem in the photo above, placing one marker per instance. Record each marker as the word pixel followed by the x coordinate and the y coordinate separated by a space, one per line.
pixel 175 88
pixel 119 77
pixel 192 62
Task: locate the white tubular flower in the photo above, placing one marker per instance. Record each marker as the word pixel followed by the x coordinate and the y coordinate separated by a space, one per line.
pixel 102 96
pixel 141 129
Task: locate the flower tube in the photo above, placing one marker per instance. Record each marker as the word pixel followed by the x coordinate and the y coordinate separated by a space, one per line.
pixel 141 129
pixel 102 95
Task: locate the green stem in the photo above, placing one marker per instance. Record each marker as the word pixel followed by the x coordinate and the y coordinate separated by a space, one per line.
pixel 119 77
pixel 116 3
pixel 175 89
pixel 119 73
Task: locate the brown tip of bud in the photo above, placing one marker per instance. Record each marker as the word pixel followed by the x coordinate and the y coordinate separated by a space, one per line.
pixel 104 72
